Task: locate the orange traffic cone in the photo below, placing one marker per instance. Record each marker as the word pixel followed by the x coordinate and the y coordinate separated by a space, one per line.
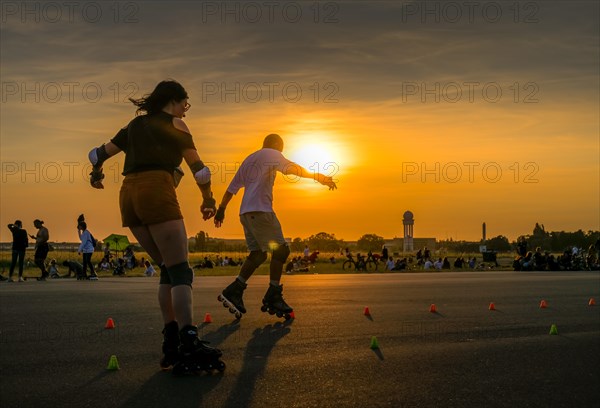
pixel 207 318
pixel 543 304
pixel 367 312
pixel 492 306
pixel 110 323
pixel 432 308
pixel 592 302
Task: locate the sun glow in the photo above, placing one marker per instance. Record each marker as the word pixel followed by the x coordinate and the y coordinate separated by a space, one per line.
pixel 316 153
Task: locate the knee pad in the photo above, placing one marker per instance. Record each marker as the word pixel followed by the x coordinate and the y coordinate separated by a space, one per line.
pixel 256 258
pixel 164 276
pixel 281 253
pixel 181 274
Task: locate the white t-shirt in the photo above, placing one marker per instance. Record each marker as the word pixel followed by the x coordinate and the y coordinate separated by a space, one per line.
pixel 257 176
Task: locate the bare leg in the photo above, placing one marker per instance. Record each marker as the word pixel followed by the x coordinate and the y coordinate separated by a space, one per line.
pixel 144 237
pixel 171 240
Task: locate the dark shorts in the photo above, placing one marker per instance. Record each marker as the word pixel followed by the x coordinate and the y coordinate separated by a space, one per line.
pixel 41 252
pixel 148 198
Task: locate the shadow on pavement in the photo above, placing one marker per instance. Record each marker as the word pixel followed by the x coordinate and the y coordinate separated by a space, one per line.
pixel 165 390
pixel 255 360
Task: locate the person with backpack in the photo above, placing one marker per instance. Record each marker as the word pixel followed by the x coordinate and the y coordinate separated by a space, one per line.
pixel 87 247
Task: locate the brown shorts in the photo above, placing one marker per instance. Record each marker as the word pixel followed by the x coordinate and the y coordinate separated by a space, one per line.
pixel 148 198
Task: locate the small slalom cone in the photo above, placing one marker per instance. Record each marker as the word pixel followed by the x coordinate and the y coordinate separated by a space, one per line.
pixel 367 312
pixel 492 306
pixel 553 329
pixel 592 302
pixel 374 343
pixel 543 304
pixel 432 308
pixel 110 323
pixel 207 318
pixel 292 315
pixel 113 364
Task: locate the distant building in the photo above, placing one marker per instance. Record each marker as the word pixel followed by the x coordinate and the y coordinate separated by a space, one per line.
pixel 408 222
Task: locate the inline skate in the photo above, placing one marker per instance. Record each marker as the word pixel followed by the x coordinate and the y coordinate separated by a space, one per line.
pixel 195 356
pixel 170 345
pixel 232 297
pixel 273 303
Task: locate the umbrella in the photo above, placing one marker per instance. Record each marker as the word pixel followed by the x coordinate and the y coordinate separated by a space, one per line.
pixel 117 242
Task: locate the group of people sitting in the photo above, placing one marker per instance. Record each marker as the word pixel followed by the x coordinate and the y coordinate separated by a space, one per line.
pixel 572 259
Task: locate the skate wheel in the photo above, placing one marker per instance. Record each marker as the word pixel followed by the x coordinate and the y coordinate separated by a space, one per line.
pixel 220 298
pixel 279 314
pixel 271 312
pixel 287 316
pixel 238 315
pixel 263 308
pixel 220 366
pixel 225 304
pixel 231 310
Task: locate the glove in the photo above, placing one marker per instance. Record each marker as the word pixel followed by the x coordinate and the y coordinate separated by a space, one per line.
pixel 220 216
pixel 208 208
pixel 96 177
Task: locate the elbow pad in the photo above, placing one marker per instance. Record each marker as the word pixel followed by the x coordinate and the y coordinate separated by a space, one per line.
pixel 201 173
pixel 98 156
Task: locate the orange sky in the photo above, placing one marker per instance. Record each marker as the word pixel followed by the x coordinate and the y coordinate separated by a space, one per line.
pixel 387 115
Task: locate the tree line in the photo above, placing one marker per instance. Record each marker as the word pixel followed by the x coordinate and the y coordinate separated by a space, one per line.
pixel 555 241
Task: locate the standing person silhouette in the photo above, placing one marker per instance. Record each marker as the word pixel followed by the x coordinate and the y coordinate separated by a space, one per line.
pixel 262 229
pixel 155 142
pixel 41 248
pixel 19 245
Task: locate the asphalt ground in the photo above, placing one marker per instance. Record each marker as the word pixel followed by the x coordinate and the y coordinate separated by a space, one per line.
pixel 54 349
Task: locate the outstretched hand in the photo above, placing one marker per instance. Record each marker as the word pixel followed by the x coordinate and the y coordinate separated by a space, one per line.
pixel 327 181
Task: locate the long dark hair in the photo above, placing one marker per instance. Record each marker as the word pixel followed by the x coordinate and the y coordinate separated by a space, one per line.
pixel 164 92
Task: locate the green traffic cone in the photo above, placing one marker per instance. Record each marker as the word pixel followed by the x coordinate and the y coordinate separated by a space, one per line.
pixel 374 343
pixel 113 364
pixel 553 329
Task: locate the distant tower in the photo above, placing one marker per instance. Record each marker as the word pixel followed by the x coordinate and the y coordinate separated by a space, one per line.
pixel 483 228
pixel 408 222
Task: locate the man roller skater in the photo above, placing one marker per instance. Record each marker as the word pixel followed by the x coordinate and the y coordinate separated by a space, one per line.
pixel 262 229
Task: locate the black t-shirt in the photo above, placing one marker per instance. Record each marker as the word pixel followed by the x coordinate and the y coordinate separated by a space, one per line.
pixel 151 142
pixel 20 241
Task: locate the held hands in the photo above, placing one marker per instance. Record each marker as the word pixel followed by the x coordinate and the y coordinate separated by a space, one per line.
pixel 96 177
pixel 208 208
pixel 220 217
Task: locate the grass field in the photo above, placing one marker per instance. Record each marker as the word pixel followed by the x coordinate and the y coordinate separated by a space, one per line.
pixel 322 266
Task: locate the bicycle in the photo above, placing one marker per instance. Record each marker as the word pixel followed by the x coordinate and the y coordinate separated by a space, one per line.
pixel 370 264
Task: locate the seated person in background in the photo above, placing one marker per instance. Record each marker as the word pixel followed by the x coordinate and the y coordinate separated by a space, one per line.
pixel 428 264
pixel 120 268
pixel 104 264
pixel 438 264
pixel 290 266
pixel 459 263
pixel 400 264
pixel 150 271
pixel 332 260
pixel 390 265
pixel 53 270
pixel 446 263
pixel 472 263
pixel 313 257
